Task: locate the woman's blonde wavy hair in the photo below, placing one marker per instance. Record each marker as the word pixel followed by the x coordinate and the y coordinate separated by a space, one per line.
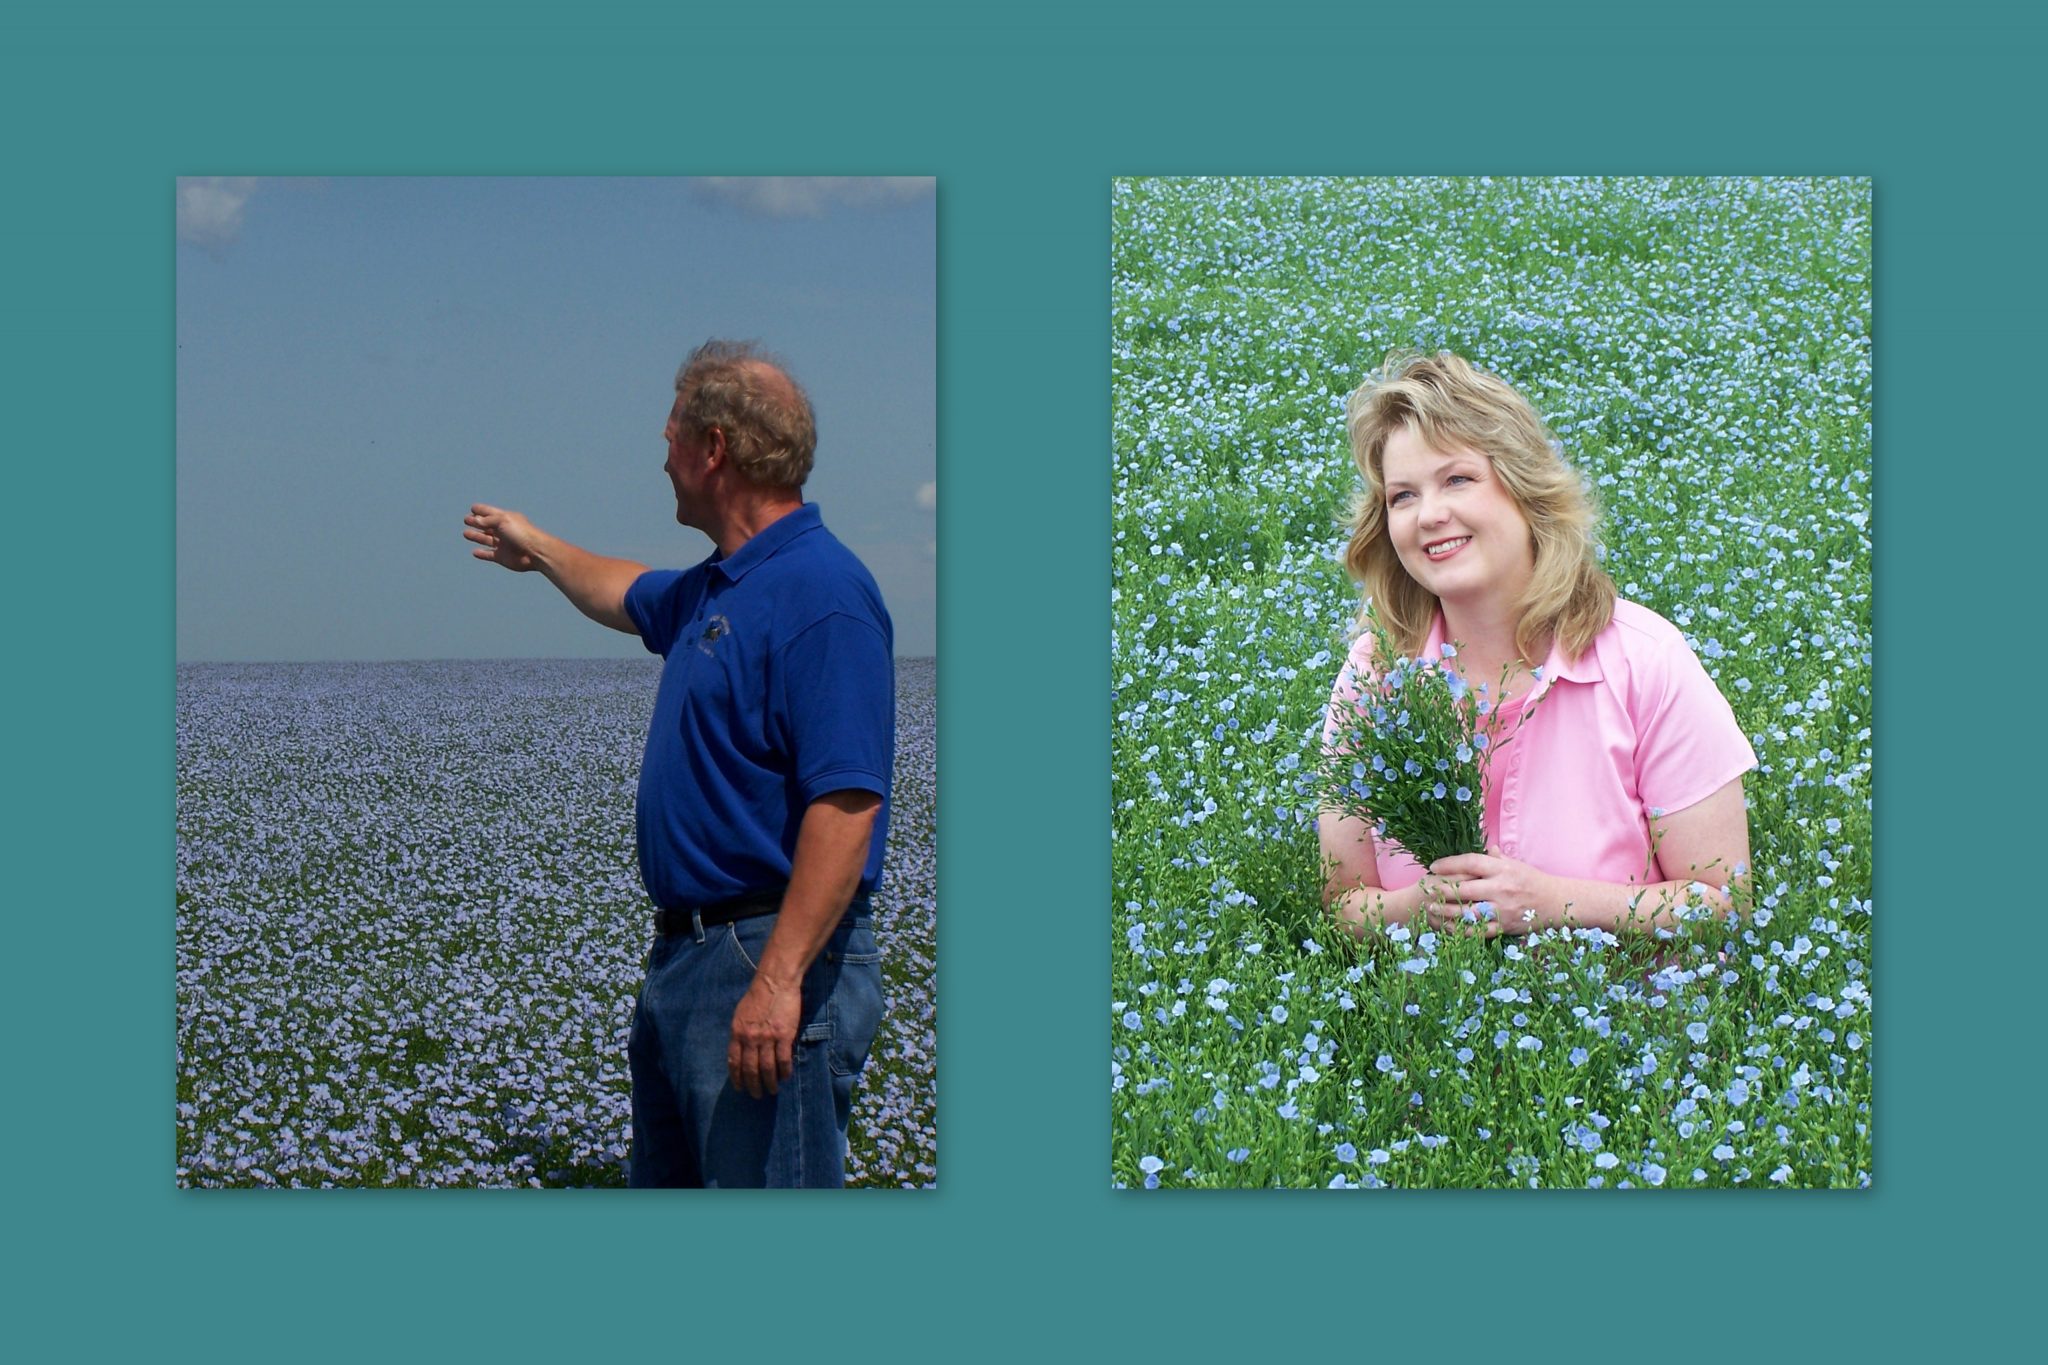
pixel 1452 405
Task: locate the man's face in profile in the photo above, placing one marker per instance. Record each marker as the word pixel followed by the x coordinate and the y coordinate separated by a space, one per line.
pixel 685 465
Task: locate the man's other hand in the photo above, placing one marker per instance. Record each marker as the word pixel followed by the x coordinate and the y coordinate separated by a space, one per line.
pixel 763 1046
pixel 506 537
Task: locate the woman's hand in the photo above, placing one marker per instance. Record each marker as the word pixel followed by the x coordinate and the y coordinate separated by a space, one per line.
pixel 1518 896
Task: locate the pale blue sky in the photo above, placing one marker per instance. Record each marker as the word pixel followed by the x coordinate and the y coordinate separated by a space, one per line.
pixel 361 359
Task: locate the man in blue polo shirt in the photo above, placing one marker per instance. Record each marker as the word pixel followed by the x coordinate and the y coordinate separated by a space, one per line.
pixel 763 806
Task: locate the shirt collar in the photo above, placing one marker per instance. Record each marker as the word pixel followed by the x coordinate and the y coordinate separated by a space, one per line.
pixel 1584 669
pixel 767 541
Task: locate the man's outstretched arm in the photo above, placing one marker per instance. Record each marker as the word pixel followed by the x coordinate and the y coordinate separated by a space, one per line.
pixel 831 852
pixel 596 585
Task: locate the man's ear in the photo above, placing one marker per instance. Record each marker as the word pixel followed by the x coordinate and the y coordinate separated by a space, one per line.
pixel 714 447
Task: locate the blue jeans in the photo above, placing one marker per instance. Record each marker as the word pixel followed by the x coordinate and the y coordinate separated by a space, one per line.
pixel 691 1126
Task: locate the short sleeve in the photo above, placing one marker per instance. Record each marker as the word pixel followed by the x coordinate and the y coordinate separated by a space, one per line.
pixel 835 686
pixel 1358 670
pixel 652 604
pixel 1688 742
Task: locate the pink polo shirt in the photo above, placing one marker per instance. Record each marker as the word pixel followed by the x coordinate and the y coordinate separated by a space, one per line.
pixel 1631 725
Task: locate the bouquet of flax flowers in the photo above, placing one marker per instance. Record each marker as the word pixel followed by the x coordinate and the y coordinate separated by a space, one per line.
pixel 1409 753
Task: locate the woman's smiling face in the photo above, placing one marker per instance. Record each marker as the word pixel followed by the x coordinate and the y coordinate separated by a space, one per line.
pixel 1454 525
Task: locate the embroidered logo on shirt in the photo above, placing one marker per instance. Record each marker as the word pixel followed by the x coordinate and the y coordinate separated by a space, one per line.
pixel 716 628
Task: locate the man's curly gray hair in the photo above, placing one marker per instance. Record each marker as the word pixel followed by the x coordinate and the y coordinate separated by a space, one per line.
pixel 749 395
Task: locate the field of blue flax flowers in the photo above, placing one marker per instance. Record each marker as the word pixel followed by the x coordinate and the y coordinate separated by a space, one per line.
pixel 1701 349
pixel 410 926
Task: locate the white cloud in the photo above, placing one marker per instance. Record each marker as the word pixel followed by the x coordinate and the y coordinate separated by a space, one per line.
pixel 210 207
pixel 812 196
pixel 927 497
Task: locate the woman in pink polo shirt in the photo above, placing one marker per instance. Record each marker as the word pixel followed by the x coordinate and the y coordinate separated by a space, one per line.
pixel 1620 799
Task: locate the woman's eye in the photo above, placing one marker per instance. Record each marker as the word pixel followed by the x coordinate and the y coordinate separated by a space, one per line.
pixel 1459 478
pixel 1395 501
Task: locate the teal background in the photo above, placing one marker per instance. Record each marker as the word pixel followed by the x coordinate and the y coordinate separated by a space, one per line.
pixel 1024 115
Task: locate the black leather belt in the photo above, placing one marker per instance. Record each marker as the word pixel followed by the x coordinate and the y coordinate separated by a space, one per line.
pixel 719 912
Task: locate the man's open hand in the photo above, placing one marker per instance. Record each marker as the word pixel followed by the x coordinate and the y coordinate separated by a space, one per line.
pixel 506 537
pixel 763 1046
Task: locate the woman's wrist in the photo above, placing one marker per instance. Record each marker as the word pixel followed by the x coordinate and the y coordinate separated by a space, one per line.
pixel 1552 905
pixel 1404 906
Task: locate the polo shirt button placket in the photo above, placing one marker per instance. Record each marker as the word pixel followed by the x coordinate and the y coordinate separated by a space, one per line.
pixel 1510 809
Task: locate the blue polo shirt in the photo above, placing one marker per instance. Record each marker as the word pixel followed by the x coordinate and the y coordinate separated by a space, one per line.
pixel 779 687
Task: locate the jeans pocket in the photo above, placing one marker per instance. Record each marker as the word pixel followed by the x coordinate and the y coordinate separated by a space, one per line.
pixel 858 949
pixel 855 1011
pixel 739 944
